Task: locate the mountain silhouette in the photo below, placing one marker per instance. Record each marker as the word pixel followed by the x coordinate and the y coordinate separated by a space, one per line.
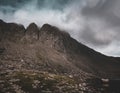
pixel 51 50
pixel 58 47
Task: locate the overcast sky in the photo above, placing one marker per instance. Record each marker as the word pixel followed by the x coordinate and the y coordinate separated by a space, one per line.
pixel 95 23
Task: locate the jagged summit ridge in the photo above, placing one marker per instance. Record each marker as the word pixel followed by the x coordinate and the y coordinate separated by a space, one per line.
pixel 32 32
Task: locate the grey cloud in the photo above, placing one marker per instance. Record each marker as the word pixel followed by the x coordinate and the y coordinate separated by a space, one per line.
pixel 88 36
pixel 105 10
pixel 106 13
pixel 54 4
pixel 93 22
pixel 13 3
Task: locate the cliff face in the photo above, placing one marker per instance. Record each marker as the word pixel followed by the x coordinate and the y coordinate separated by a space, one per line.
pixel 52 50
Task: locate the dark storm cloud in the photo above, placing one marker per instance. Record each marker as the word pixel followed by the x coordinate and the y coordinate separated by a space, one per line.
pixel 54 4
pixel 92 22
pixel 89 37
pixel 13 3
pixel 106 9
pixel 104 25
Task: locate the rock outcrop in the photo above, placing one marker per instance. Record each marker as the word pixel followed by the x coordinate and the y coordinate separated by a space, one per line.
pixel 11 31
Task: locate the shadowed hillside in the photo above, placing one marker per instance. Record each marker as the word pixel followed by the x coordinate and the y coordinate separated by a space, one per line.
pixel 49 50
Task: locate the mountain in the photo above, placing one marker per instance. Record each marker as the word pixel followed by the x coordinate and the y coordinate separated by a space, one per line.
pixel 37 52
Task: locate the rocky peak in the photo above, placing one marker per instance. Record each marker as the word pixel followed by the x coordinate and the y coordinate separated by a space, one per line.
pixel 53 33
pixel 11 31
pixel 32 28
pixel 46 28
pixel 32 31
pixel 54 36
pixel 10 26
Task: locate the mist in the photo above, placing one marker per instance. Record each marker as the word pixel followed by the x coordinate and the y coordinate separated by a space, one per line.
pixel 95 23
